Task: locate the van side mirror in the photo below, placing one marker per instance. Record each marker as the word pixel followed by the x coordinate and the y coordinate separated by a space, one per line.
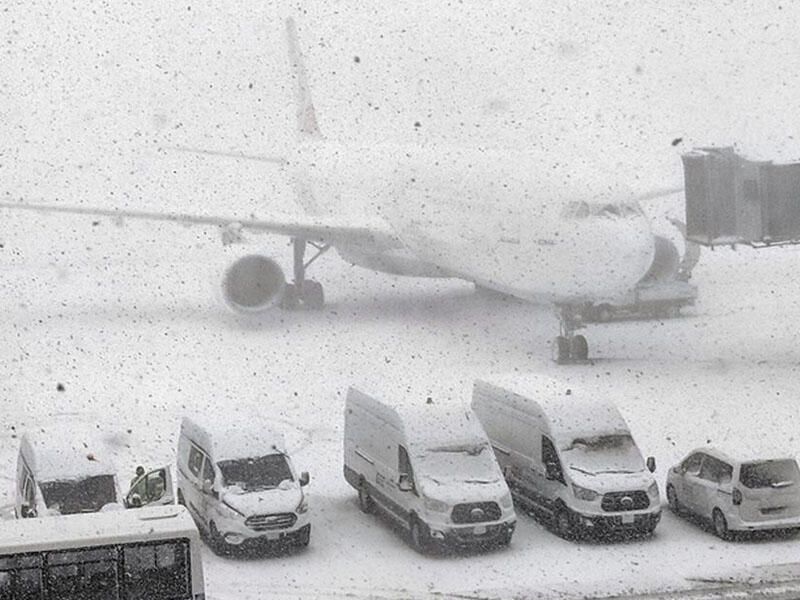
pixel 208 487
pixel 551 471
pixel 27 512
pixel 135 501
pixel 304 479
pixel 651 464
pixel 404 483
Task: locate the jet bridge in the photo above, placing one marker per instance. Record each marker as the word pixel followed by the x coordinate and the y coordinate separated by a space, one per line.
pixel 732 200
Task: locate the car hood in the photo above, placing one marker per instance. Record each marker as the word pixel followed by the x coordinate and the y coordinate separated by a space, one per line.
pixel 612 482
pixel 454 491
pixel 265 501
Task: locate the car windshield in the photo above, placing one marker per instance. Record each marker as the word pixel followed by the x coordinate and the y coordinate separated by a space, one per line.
pixel 770 473
pixel 470 463
pixel 81 495
pixel 254 474
pixel 615 453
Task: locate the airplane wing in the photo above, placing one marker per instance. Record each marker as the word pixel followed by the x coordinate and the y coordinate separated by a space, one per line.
pixel 326 230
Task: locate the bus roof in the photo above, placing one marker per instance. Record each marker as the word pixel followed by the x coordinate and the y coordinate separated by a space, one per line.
pixel 95 529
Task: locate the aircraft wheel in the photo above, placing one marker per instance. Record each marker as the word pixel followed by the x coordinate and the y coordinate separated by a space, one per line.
pixel 291 299
pixel 313 295
pixel 579 348
pixel 561 350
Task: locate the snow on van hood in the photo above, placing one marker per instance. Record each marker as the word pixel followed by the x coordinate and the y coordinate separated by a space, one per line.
pixel 456 490
pixel 264 502
pixel 611 481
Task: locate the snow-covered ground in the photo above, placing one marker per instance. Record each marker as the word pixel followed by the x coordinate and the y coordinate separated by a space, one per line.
pixel 126 317
pixel 126 321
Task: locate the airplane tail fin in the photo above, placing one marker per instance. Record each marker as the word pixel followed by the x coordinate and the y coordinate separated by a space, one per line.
pixel 306 115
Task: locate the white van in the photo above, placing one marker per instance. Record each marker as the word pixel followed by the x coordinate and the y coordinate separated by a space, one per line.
pixel 430 468
pixel 239 484
pixel 568 456
pixel 66 470
pixel 152 553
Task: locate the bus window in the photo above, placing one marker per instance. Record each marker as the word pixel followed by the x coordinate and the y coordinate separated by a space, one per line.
pixel 158 570
pixel 21 577
pixel 89 574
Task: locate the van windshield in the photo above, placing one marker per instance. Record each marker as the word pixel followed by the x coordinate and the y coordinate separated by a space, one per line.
pixel 255 474
pixel 770 473
pixel 81 495
pixel 615 453
pixel 465 463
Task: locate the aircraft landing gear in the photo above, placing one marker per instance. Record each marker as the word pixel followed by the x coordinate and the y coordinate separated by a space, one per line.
pixel 304 291
pixel 568 347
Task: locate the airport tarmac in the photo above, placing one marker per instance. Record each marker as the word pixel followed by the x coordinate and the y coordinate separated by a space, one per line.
pixel 125 320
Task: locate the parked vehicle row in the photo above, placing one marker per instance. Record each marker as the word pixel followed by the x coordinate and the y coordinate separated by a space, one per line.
pixel 445 473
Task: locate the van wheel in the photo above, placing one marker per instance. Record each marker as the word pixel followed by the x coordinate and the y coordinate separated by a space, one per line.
pixel 419 534
pixel 720 525
pixel 672 500
pixel 304 537
pixel 564 524
pixel 365 501
pixel 217 543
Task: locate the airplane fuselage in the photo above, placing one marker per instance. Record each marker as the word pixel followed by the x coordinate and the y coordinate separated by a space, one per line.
pixel 531 227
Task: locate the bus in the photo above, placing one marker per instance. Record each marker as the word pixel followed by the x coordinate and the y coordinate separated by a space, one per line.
pixel 151 553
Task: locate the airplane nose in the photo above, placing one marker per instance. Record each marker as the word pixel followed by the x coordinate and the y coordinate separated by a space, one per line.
pixel 618 252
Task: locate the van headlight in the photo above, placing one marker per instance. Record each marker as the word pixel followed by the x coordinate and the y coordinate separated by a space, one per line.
pixel 507 501
pixel 653 489
pixel 582 493
pixel 303 506
pixel 434 505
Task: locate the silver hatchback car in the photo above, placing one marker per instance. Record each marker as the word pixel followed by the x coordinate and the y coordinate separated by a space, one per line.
pixel 736 494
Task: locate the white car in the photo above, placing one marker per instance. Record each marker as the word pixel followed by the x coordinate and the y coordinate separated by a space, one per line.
pixel 736 494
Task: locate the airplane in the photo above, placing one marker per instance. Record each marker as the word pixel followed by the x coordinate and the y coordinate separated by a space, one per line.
pixel 538 227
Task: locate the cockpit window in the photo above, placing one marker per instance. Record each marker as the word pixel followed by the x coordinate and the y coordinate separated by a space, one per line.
pixel 581 209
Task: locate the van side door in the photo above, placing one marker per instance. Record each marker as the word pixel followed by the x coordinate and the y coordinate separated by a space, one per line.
pixel 194 492
pixel 151 489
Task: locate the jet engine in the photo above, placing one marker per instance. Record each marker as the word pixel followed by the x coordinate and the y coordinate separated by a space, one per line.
pixel 666 260
pixel 253 283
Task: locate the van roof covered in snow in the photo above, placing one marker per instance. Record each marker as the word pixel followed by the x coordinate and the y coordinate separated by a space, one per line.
pixel 227 439
pixel 570 413
pixel 95 529
pixel 426 421
pixel 65 453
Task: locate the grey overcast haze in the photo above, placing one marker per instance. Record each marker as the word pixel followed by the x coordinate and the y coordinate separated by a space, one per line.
pixel 97 99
